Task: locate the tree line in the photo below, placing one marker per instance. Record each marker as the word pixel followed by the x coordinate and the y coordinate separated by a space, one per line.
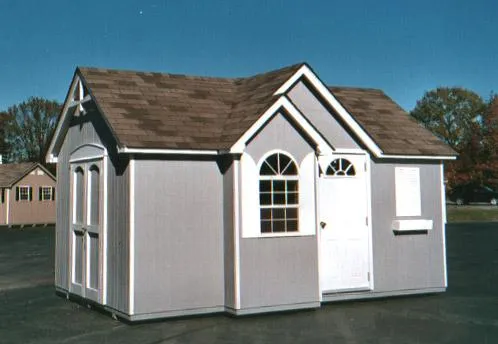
pixel 468 124
pixel 459 117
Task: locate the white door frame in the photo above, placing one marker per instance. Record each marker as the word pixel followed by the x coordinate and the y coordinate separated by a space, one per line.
pixel 368 181
pixel 94 154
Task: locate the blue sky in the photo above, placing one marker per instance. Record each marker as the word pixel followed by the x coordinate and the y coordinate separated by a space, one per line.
pixel 403 47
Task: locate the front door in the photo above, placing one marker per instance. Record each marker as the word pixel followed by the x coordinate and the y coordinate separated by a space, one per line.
pixel 86 229
pixel 344 230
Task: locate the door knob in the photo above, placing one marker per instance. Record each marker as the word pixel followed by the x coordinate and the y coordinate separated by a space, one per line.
pixel 323 224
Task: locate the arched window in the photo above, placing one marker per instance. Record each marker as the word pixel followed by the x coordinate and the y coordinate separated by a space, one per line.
pixel 94 195
pixel 278 194
pixel 79 193
pixel 340 167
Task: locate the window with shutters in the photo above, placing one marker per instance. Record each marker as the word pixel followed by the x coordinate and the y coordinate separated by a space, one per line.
pixel 46 193
pixel 24 193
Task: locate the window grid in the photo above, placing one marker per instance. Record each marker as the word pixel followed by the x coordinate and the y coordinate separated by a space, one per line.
pixel 24 193
pixel 279 195
pixel 341 167
pixel 46 193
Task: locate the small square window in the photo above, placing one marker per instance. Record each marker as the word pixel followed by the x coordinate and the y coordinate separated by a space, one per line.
pixel 46 193
pixel 24 193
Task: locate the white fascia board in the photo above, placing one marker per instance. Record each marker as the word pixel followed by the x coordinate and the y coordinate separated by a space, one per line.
pixel 50 157
pixel 333 102
pixel 282 102
pixel 126 150
pixel 418 157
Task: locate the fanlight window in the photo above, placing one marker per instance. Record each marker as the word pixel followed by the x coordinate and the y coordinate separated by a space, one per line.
pixel 279 194
pixel 340 167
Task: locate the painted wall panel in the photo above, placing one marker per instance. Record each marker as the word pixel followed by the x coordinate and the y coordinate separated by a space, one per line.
pixel 321 118
pixel 409 261
pixel 278 271
pixel 228 229
pixel 34 211
pixel 179 261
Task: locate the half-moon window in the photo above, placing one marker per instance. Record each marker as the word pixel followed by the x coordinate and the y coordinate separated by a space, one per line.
pixel 340 167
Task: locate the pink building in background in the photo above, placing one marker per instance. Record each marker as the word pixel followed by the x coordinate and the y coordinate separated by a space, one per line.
pixel 27 194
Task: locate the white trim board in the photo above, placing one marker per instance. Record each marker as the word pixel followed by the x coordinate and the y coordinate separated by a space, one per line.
pixel 305 71
pixel 131 290
pixel 126 150
pixel 282 103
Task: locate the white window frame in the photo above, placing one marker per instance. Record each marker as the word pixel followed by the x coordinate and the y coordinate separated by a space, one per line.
pixel 284 178
pixel 335 175
pixel 43 189
pixel 26 187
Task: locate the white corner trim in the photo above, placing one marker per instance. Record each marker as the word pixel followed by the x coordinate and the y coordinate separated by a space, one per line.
pixel 104 228
pixel 417 157
pixel 412 225
pixel 282 102
pixel 132 238
pixel 236 234
pixel 332 101
pixel 443 224
pixel 126 150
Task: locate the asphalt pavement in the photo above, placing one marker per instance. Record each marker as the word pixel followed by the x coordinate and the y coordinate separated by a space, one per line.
pixel 30 312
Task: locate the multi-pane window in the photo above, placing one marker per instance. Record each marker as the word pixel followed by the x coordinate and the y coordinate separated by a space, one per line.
pixel 340 167
pixel 24 193
pixel 279 194
pixel 45 193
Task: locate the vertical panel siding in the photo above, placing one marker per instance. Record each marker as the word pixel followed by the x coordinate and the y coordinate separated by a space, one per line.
pixel 179 261
pixel 92 129
pixel 320 117
pixel 118 237
pixel 279 270
pixel 412 261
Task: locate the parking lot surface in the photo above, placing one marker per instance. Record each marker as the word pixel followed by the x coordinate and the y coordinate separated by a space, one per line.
pixel 30 312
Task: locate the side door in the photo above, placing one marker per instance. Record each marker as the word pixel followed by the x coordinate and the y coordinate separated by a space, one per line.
pixel 86 216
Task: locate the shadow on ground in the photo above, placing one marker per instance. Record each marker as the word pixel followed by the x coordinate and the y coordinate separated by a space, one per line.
pixel 467 313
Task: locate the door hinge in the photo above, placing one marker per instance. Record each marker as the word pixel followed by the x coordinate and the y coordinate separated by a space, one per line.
pixel 365 166
pixel 366 220
pixel 368 276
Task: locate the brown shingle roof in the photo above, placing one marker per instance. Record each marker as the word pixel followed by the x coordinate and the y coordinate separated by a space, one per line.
pixel 155 110
pixel 11 173
pixel 392 129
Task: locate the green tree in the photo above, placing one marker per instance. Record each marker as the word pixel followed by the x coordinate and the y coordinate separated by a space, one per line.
pixel 451 114
pixel 29 126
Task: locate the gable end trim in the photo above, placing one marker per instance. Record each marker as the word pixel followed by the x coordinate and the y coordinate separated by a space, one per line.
pixel 323 146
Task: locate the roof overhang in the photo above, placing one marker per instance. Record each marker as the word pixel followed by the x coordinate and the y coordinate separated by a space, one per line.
pixel 306 72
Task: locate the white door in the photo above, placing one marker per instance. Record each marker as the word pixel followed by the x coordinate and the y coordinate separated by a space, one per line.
pixel 344 231
pixel 85 230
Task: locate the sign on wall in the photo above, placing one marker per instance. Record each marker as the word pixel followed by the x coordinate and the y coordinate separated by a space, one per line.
pixel 407 180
